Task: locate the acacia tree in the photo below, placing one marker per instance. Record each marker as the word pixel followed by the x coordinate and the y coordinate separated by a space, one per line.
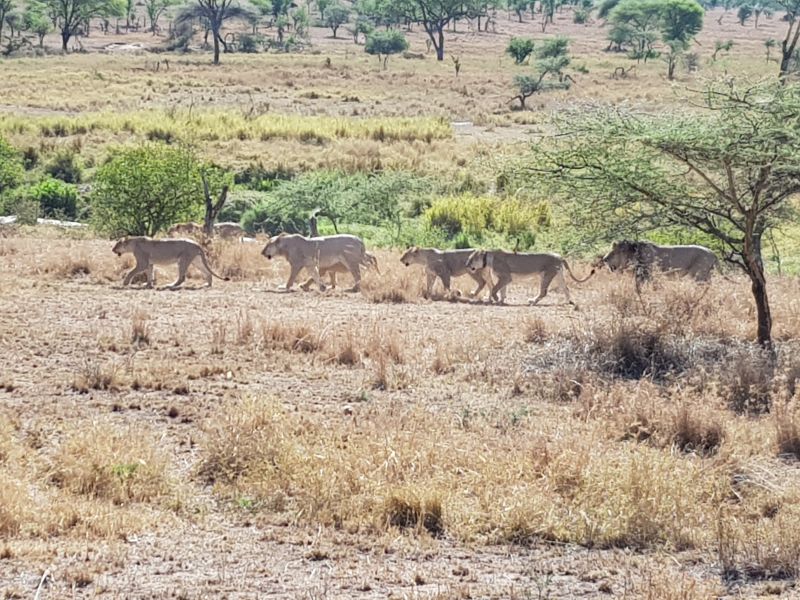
pixel 336 16
pixel 434 16
pixel 727 172
pixel 385 43
pixel 640 19
pixel 789 43
pixel 71 16
pixel 154 10
pixel 37 22
pixel 215 13
pixel 681 20
pixel 5 8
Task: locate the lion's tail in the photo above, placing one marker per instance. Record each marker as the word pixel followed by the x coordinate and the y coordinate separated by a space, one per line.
pixel 370 262
pixel 575 279
pixel 210 270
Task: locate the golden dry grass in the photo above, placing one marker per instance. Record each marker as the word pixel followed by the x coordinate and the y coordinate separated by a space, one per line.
pixel 457 421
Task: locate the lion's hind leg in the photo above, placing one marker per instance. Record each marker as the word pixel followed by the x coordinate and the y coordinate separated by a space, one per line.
pixel 183 266
pixel 200 265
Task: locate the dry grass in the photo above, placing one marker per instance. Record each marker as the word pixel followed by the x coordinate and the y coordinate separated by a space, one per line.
pixel 458 423
pixel 122 466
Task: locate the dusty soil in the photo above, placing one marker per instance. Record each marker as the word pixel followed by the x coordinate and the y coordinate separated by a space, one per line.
pixel 52 329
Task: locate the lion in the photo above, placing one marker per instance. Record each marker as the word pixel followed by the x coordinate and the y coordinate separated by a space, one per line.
pixel 190 228
pixel 149 252
pixel 229 231
pixel 507 266
pixel 643 256
pixel 325 254
pixel 445 264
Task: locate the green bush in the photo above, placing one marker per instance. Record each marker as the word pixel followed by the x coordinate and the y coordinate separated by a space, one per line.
pixel 520 49
pixel 385 43
pixel 381 199
pixel 63 166
pixel 468 218
pixel 581 16
pixel 239 202
pixel 144 190
pixel 249 43
pixel 11 168
pixel 56 199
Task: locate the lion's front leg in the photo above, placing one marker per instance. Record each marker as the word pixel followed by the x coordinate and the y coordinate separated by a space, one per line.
pixel 138 268
pixel 293 273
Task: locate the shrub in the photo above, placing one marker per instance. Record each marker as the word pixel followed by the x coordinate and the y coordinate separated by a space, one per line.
pixel 239 202
pixel 385 43
pixel 581 16
pixel 520 49
pixel 64 167
pixel 143 190
pixel 250 44
pixel 55 198
pixel 367 199
pixel 11 168
pixel 19 203
pixel 475 216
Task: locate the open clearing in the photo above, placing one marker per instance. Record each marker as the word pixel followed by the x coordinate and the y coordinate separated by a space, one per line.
pixel 364 404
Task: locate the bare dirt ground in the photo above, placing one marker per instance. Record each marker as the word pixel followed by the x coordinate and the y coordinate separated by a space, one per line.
pixel 64 319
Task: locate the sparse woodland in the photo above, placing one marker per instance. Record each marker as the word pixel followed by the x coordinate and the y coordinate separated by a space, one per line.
pixel 238 440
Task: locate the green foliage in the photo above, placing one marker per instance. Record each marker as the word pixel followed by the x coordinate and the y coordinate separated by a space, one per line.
pixel 744 13
pixel 143 190
pixel 239 202
pixel 468 218
pixel 640 21
pixel 336 15
pixel 520 49
pixel 64 166
pixel 55 198
pixel 605 7
pixel 11 168
pixel 363 27
pixel 385 43
pixel 18 202
pixel 249 43
pixel 71 15
pixel 382 199
pixel 690 170
pixel 555 47
pixel 681 19
pixel 720 46
pixel 552 59
pixel 35 20
pixel 581 16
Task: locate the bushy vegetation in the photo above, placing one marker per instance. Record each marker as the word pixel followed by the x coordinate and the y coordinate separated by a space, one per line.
pixel 383 199
pixel 144 190
pixel 55 198
pixel 11 169
pixel 471 220
pixel 385 43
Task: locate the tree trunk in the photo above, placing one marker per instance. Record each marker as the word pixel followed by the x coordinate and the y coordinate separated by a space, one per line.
pixel 788 46
pixel 754 266
pixel 65 35
pixel 759 288
pixel 212 208
pixel 440 44
pixel 215 33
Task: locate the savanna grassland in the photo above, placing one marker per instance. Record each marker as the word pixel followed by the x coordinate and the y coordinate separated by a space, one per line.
pixel 241 442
